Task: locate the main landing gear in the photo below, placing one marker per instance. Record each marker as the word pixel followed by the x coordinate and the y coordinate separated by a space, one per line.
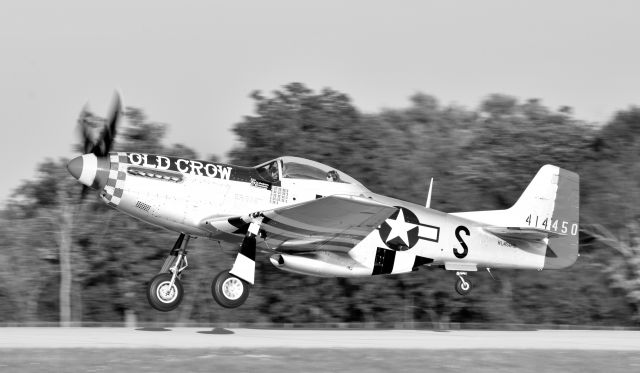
pixel 165 290
pixel 230 288
pixel 463 286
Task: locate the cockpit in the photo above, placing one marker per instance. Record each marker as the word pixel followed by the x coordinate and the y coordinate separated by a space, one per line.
pixel 269 171
pixel 300 168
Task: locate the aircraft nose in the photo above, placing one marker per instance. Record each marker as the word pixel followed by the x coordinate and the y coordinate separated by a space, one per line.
pixel 90 170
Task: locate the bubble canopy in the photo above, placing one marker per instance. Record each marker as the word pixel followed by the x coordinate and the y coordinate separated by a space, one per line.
pixel 300 168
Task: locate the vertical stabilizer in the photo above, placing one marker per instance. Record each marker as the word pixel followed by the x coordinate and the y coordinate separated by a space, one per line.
pixel 551 202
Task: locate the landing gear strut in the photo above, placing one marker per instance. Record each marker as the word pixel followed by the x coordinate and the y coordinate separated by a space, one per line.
pixel 231 288
pixel 463 286
pixel 165 291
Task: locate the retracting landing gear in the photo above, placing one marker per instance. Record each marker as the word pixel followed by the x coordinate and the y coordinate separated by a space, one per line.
pixel 230 289
pixel 463 286
pixel 165 291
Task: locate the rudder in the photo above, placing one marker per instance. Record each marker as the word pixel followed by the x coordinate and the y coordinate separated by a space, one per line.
pixel 551 202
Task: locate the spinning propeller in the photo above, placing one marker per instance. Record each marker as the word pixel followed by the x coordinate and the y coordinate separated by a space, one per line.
pixel 97 135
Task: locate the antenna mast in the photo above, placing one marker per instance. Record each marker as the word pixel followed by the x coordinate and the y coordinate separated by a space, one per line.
pixel 428 205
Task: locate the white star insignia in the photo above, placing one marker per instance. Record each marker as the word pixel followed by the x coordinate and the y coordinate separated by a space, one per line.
pixel 399 228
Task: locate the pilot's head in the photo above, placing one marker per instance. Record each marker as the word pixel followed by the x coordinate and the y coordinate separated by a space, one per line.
pixel 332 176
pixel 273 171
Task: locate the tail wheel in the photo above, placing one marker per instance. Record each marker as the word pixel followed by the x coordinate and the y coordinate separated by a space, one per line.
pixel 463 286
pixel 162 295
pixel 229 291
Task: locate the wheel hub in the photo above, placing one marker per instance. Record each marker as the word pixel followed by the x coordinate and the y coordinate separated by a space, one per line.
pixel 166 292
pixel 232 288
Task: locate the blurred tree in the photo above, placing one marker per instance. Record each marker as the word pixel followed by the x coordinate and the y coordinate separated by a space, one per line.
pixel 93 252
pixel 499 105
pixel 140 134
pixel 50 203
pixel 488 157
pixel 623 261
pixel 323 126
pixel 297 121
pixel 481 159
pixel 612 174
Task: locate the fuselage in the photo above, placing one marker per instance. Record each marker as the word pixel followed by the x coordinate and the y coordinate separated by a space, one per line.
pixel 211 199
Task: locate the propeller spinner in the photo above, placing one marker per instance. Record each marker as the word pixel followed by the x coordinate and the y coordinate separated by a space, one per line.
pixel 90 170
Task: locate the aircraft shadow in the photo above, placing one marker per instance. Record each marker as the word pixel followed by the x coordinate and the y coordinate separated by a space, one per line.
pixel 217 331
pixel 153 329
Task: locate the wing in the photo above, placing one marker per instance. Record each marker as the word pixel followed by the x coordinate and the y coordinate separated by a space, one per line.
pixel 334 223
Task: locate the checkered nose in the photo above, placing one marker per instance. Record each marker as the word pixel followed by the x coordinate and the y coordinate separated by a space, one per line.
pixel 90 170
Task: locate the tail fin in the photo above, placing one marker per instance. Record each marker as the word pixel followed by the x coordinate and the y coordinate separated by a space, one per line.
pixel 549 203
pixel 552 202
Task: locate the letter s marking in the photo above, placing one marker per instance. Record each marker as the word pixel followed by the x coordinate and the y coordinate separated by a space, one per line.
pixel 465 248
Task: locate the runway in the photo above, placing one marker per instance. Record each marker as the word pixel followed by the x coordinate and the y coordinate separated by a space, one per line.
pixel 244 338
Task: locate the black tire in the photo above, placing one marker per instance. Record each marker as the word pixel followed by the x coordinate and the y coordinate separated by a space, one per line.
pixel 157 296
pixel 228 290
pixel 461 288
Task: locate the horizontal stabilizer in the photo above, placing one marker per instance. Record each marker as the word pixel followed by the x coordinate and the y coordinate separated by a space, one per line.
pixel 522 233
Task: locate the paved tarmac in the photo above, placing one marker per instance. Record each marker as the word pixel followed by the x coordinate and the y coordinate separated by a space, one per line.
pixel 207 338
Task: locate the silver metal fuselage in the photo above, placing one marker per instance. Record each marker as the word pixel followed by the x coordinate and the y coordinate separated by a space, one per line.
pixel 188 205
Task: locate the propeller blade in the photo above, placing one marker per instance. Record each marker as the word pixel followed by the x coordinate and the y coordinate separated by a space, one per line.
pixel 97 133
pixel 85 129
pixel 83 194
pixel 111 124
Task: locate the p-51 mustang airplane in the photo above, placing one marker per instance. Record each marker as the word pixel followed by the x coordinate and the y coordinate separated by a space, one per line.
pixel 316 220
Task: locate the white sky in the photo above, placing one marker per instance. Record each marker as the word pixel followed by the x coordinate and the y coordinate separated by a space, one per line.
pixel 192 64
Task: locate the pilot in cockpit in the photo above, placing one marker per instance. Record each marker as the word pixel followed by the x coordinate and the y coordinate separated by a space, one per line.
pixel 333 176
pixel 273 171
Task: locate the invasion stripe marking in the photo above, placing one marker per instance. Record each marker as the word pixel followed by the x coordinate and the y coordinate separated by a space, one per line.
pixel 241 225
pixel 293 236
pixel 384 261
pixel 420 260
pixel 313 233
pixel 324 243
pixel 274 216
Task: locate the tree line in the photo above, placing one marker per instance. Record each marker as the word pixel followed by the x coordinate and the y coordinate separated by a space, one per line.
pixel 481 158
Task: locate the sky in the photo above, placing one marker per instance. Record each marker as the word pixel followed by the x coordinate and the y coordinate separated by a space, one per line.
pixel 193 64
